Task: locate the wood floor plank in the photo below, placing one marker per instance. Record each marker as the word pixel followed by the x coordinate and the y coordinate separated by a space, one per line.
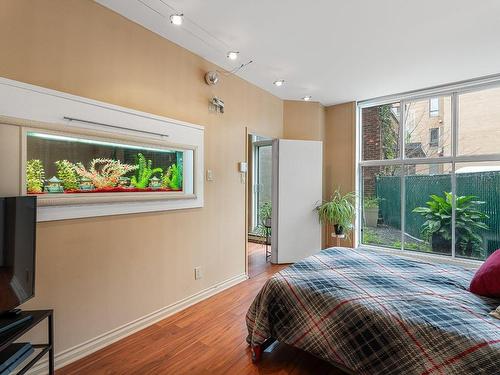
pixel 207 338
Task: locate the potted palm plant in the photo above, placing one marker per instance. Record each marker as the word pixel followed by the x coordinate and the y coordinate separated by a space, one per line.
pixel 338 211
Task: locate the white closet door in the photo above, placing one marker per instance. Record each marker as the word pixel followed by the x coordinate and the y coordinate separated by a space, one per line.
pixel 297 189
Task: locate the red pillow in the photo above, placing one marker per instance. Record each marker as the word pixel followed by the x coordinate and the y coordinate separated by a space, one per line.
pixel 486 281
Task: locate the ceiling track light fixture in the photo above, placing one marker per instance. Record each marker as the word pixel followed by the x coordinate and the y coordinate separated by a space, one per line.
pixel 307 98
pixel 232 55
pixel 279 83
pixel 176 19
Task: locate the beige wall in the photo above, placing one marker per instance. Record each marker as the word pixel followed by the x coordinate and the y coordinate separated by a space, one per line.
pixel 340 153
pixel 303 120
pixel 101 273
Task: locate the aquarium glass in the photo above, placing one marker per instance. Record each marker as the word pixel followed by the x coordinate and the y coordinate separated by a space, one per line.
pixel 73 164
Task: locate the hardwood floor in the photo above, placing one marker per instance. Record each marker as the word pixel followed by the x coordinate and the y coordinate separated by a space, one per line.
pixel 207 338
pixel 257 259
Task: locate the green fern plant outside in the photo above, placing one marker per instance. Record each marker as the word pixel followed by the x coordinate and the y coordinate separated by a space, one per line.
pixel 144 172
pixel 469 222
pixel 67 174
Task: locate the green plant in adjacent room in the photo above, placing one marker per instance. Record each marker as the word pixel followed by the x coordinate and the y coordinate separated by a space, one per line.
pixel 35 176
pixel 265 214
pixel 104 173
pixel 143 172
pixel 338 211
pixel 172 178
pixel 67 174
pixel 469 222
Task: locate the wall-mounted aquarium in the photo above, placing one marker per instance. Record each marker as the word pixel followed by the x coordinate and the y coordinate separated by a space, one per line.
pixel 83 158
pixel 72 164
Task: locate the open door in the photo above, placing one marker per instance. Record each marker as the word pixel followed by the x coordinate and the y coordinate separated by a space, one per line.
pixel 297 181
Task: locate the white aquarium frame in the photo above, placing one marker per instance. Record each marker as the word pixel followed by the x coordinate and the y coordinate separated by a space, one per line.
pixel 37 109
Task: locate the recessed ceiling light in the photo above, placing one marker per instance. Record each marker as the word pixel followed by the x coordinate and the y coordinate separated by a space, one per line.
pixel 279 83
pixel 176 19
pixel 232 55
pixel 307 98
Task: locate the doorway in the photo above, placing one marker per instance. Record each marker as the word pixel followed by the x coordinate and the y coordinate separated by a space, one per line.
pixel 262 177
pixel 259 203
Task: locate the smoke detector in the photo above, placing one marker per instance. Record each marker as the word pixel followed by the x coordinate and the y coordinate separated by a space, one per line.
pixel 212 78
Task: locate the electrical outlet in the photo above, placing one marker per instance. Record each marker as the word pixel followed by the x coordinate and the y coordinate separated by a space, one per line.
pixel 197 273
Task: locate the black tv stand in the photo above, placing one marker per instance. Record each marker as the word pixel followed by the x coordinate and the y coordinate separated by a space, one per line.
pixel 29 320
pixel 11 321
pixel 10 314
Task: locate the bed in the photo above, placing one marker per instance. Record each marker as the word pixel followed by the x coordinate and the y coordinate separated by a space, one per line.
pixel 374 313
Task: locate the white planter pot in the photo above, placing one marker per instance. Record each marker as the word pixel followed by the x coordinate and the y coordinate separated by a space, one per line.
pixel 371 216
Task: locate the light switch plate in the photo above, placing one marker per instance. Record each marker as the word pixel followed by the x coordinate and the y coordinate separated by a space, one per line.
pixel 210 175
pixel 243 167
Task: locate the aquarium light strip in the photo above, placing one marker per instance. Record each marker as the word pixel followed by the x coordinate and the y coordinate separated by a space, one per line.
pixel 93 142
pixel 113 126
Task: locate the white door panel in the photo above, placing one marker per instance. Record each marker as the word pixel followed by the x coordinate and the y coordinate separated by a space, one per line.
pixel 297 189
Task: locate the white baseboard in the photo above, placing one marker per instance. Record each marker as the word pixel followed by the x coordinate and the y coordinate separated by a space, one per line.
pixel 88 347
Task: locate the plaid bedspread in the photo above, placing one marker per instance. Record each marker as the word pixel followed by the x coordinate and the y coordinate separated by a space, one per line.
pixel 379 314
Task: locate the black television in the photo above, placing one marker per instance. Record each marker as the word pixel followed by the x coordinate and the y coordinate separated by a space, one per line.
pixel 17 251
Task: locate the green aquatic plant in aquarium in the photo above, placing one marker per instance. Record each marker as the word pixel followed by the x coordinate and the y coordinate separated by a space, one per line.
pixel 67 174
pixel 104 173
pixel 165 179
pixel 144 172
pixel 35 176
pixel 173 178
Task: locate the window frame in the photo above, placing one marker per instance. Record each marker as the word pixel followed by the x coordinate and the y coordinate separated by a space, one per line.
pixel 454 90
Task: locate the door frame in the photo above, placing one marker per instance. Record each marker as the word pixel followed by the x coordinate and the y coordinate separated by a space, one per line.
pixel 255 175
pixel 248 132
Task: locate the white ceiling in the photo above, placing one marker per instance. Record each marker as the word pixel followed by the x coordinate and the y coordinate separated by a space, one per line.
pixel 334 50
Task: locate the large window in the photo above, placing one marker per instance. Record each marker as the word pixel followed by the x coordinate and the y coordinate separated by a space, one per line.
pixel 429 171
